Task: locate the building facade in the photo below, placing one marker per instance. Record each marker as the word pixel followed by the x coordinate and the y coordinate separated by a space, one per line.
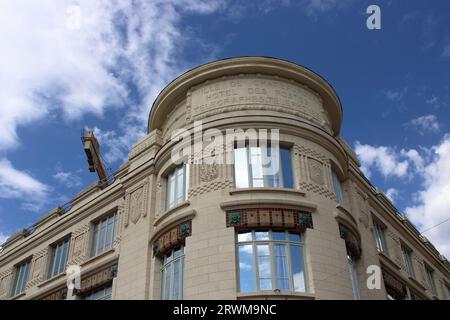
pixel 315 228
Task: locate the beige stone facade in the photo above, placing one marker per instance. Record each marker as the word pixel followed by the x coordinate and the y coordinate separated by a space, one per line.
pixel 248 92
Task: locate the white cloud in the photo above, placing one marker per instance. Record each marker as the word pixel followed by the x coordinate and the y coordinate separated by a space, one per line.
pixel 433 205
pixel 48 67
pixel 433 101
pixel 68 179
pixel 15 184
pixel 424 124
pixel 446 52
pixel 314 6
pixel 392 194
pixel 3 238
pixel 395 95
pixel 384 159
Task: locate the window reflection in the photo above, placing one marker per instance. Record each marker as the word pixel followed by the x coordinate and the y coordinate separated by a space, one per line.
pixel 263 167
pixel 270 260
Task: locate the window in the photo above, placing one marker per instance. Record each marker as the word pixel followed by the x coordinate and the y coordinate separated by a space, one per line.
pixel 104 234
pixel 172 275
pixel 21 278
pixel 354 278
pixel 270 260
pixel 407 259
pixel 337 187
pixel 253 168
pixel 430 278
pixel 177 186
pixel 104 293
pixel 60 252
pixel 380 241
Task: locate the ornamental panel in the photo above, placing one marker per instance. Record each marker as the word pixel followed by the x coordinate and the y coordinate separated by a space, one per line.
pixel 256 92
pixel 172 238
pixel 269 218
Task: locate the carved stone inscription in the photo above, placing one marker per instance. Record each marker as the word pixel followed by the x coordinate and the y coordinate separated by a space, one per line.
pixel 249 92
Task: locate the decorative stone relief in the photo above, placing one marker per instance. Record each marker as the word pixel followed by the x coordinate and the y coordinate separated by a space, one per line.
pixel 79 241
pixel 39 264
pixel 136 203
pixel 362 207
pixel 394 248
pixel 352 242
pixel 172 238
pixel 213 186
pixel 208 172
pixel 269 217
pixel 5 280
pixel 320 190
pixel 256 92
pixel 316 171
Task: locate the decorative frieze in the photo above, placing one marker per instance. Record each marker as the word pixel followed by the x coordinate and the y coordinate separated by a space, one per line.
pixel 172 238
pixel 256 92
pixel 97 279
pixel 352 241
pixel 393 284
pixel 60 294
pixel 269 218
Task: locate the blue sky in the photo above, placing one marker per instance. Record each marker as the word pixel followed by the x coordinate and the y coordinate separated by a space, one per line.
pixel 69 65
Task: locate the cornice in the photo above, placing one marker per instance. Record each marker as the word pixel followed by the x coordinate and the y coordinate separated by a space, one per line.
pixel 179 87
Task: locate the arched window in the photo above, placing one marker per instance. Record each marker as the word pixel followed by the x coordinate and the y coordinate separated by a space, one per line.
pixel 172 274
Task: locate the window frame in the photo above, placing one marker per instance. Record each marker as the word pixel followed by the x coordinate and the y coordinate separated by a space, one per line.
pixel 271 242
pixel 379 236
pixel 407 260
pixel 16 290
pixel 54 247
pixel 184 167
pixel 95 250
pixel 337 187
pixel 431 280
pixel 165 265
pixel 104 288
pixel 354 278
pixel 250 182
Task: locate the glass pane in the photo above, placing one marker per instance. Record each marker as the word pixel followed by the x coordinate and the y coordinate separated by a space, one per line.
pixel 180 185
pixel 176 279
pixel 278 235
pixel 256 165
pixel 337 188
pixel 109 233
pixel 246 269
pixel 167 279
pixel 101 237
pixel 262 235
pixel 297 268
pixel 294 237
pixel 354 278
pixel 246 236
pixel 265 274
pixel 171 190
pixel 64 256
pixel 241 168
pixel 281 267
pixel 286 167
pixel 271 166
